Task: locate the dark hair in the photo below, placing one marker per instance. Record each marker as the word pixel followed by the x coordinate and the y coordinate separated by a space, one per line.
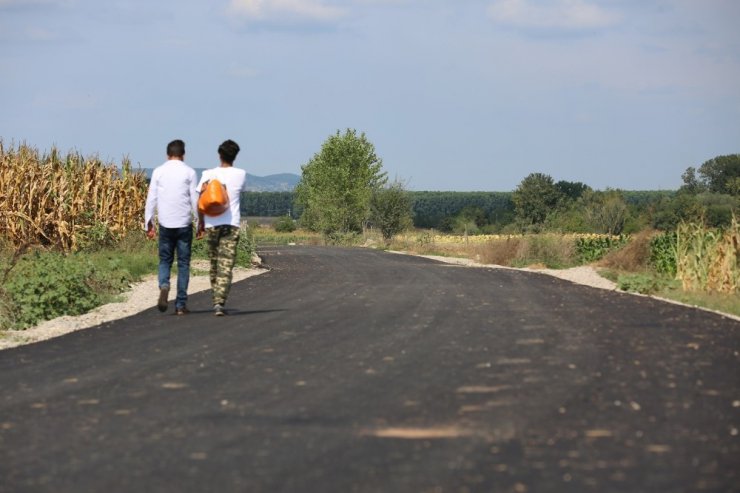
pixel 228 151
pixel 176 148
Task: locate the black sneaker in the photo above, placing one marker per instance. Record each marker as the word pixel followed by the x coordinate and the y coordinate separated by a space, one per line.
pixel 182 311
pixel 162 302
pixel 218 310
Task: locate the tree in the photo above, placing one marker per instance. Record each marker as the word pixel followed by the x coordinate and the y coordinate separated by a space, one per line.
pixel 606 211
pixel 390 210
pixel 535 197
pixel 572 189
pixel 338 182
pixel 719 173
pixel 691 183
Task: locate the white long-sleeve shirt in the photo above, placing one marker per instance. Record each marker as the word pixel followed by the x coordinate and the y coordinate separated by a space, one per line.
pixel 172 194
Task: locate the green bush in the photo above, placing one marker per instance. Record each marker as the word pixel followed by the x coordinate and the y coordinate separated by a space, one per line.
pixel 641 283
pixel 45 286
pixel 285 224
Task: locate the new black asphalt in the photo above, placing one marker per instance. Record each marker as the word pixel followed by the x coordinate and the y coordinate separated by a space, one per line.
pixel 354 370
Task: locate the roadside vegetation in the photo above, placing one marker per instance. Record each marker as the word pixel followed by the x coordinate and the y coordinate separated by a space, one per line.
pixel 72 236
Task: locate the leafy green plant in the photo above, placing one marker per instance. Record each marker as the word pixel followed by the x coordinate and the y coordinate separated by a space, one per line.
pixel 641 283
pixel 663 253
pixel 245 248
pixel 284 224
pixel 44 286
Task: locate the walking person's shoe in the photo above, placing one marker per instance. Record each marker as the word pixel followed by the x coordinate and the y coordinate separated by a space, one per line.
pixel 183 310
pixel 218 310
pixel 162 302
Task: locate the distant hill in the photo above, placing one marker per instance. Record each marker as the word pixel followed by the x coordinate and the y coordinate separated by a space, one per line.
pixel 281 182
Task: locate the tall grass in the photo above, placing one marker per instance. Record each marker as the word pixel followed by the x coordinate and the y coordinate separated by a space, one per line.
pixel 66 202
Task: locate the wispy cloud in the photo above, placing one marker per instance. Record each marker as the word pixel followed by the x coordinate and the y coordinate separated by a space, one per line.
pixel 556 14
pixel 285 10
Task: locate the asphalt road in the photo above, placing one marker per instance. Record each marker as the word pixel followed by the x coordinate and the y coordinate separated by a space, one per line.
pixel 345 370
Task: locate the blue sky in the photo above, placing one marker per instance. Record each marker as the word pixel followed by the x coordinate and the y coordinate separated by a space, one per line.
pixel 455 95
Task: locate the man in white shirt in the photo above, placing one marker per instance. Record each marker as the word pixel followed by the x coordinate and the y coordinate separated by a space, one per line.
pixel 172 194
pixel 223 230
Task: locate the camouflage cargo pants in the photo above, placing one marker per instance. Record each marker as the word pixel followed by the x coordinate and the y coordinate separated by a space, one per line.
pixel 222 243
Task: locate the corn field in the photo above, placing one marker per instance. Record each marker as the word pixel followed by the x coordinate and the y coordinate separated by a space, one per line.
pixel 66 202
pixel 707 259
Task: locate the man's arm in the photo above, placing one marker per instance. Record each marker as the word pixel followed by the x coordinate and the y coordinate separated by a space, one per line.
pixel 201 228
pixel 194 193
pixel 151 205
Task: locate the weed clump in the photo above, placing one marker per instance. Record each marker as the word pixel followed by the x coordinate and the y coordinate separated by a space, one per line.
pixel 49 285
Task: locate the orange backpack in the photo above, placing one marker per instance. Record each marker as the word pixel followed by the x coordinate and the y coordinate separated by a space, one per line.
pixel 214 200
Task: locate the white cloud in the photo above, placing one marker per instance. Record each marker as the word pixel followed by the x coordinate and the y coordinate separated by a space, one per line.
pixel 557 14
pixel 280 10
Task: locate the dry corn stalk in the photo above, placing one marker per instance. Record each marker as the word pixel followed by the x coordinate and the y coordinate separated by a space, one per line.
pixel 706 259
pixel 55 201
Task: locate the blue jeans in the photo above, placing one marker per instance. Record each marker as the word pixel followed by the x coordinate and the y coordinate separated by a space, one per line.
pixel 171 239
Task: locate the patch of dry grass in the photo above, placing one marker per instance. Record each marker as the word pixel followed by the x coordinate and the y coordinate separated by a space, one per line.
pixel 550 250
pixel 633 257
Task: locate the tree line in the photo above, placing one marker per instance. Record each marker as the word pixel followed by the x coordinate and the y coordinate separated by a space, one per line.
pixel 441 210
pixel 344 189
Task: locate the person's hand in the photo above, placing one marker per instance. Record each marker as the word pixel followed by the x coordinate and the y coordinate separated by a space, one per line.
pixel 150 232
pixel 200 232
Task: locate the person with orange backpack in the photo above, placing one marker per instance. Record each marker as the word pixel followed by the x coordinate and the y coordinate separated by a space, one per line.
pixel 221 222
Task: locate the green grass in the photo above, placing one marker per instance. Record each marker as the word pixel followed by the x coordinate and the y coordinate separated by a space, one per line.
pixel 665 286
pixel 725 303
pixel 268 236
